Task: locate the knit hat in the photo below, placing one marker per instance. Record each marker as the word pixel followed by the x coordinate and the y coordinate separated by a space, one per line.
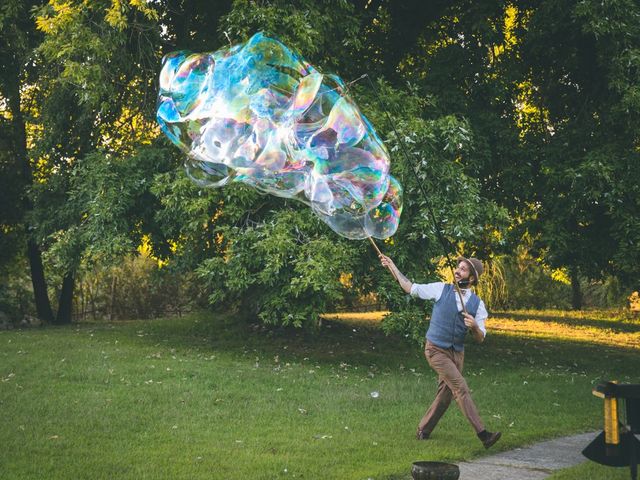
pixel 475 266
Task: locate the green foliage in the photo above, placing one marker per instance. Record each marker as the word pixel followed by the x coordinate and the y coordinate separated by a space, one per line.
pixel 11 198
pixel 494 286
pixel 584 75
pixel 303 25
pixel 429 157
pixel 16 296
pixel 17 39
pixel 135 288
pixel 73 82
pixel 522 282
pixel 102 50
pixel 517 121
pixel 108 207
pixel 282 265
pixel 286 270
pixel 411 322
pixel 532 287
pixel 97 63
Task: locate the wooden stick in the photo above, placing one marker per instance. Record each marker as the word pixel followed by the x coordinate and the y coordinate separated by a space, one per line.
pixel 374 245
pixel 457 287
pixel 380 253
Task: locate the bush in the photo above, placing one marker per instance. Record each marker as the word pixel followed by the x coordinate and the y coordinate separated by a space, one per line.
pixel 411 322
pixel 282 271
pixel 136 288
pixel 16 291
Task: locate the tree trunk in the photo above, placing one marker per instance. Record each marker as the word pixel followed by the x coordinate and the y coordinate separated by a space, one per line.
pixel 93 293
pixel 65 306
pixel 41 296
pixel 83 302
pixel 112 297
pixel 576 292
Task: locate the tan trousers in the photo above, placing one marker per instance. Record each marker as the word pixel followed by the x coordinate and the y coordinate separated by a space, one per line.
pixel 448 363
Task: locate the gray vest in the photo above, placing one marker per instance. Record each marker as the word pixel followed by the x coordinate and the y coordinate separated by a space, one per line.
pixel 447 328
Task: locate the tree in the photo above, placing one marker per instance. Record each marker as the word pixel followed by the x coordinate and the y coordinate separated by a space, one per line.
pixel 267 256
pixel 18 40
pixel 583 60
pixel 97 95
pixel 266 241
pixel 73 81
pixel 521 115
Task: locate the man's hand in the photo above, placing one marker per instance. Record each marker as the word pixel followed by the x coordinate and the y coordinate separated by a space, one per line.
pixel 472 325
pixel 469 321
pixel 387 262
pixel 404 282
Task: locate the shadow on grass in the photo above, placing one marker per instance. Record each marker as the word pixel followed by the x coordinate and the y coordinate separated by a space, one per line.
pixel 337 342
pixel 556 356
pixel 615 325
pixel 334 342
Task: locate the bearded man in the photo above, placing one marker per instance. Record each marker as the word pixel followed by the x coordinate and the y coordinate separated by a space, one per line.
pixel 444 346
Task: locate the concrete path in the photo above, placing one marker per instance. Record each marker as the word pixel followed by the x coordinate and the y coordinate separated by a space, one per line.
pixel 529 463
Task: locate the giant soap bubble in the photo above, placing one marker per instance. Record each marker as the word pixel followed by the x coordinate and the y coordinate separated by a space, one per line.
pixel 257 113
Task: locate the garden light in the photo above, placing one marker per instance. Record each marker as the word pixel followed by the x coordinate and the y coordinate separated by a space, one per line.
pixel 617 446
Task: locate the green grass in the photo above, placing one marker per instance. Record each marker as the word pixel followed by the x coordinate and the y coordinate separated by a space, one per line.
pixel 203 397
pixel 591 470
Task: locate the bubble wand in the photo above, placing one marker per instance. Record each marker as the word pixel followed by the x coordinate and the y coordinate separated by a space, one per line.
pixel 441 238
pixel 380 253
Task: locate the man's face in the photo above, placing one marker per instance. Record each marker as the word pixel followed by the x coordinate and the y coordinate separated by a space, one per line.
pixel 462 272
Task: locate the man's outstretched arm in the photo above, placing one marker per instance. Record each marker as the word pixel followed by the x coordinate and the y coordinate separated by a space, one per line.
pixel 404 282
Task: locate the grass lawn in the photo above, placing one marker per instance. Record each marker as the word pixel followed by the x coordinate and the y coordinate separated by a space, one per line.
pixel 592 471
pixel 204 397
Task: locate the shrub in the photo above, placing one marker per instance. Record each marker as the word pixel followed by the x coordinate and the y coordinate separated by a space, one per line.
pixel 136 288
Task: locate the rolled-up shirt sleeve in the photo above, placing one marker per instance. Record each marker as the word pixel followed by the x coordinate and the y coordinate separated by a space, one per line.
pixel 427 291
pixel 481 317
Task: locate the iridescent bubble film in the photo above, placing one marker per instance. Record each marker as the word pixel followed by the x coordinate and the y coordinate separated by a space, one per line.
pixel 259 114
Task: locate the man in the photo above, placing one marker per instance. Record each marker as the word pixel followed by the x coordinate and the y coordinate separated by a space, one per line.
pixel 444 348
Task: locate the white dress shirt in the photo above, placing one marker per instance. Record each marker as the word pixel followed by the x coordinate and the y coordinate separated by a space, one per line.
pixel 433 291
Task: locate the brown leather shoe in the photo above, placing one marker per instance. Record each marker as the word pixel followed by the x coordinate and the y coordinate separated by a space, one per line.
pixel 491 439
pixel 422 435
